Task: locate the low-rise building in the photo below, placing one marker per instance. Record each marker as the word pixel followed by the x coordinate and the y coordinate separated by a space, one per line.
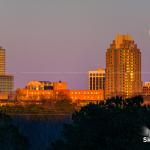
pixel 35 91
pixel 146 89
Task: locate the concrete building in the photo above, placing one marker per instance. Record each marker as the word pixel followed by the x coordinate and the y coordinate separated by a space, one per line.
pixel 2 61
pixel 97 79
pixel 83 97
pixel 146 93
pixel 34 91
pixel 47 85
pixel 35 85
pixel 123 68
pixel 60 85
pixel 146 89
pixel 6 81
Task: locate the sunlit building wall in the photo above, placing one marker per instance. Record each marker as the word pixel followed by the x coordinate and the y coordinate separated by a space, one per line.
pixel 146 89
pixel 60 85
pixel 6 81
pixel 97 79
pixel 47 85
pixel 123 68
pixel 35 85
pixel 34 91
pixel 84 97
pixel 2 61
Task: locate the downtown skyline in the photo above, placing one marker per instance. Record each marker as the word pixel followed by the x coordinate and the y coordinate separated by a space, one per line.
pixel 44 44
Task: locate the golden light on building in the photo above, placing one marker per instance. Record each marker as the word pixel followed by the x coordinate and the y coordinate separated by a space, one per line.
pixel 146 89
pixel 6 81
pixel 7 84
pixel 34 91
pixel 97 79
pixel 123 68
pixel 2 61
pixel 60 85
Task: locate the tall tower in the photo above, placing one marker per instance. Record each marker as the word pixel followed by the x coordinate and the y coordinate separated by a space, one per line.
pixel 123 68
pixel 6 81
pixel 2 61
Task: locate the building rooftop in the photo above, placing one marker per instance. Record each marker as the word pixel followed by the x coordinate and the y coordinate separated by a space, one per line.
pixel 100 70
pixel 121 37
pixel 147 84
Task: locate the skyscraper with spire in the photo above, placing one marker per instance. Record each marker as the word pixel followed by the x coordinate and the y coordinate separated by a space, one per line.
pixel 123 68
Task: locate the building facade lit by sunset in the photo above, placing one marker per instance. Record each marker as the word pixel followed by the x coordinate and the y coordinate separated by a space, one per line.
pixel 123 68
pixel 34 91
pixel 2 61
pixel 146 89
pixel 6 80
pixel 97 79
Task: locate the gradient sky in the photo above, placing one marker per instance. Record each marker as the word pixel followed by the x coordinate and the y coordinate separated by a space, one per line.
pixel 63 39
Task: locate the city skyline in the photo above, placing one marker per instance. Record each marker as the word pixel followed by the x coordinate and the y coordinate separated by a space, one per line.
pixel 63 40
pixel 62 73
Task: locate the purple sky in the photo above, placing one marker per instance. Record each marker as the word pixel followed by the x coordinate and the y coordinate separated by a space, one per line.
pixel 63 39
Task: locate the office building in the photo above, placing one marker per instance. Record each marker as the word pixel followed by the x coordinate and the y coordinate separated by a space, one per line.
pixel 146 89
pixel 123 68
pixel 2 61
pixel 34 91
pixel 6 81
pixel 97 79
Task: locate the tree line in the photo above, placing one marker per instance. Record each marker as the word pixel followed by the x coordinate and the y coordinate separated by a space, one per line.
pixel 114 124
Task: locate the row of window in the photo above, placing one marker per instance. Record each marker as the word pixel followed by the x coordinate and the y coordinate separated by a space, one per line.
pixel 85 97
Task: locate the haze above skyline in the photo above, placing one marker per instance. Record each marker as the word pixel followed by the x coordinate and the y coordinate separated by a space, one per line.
pixel 64 39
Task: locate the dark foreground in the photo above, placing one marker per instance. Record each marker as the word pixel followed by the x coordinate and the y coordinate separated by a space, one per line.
pixel 41 130
pixel 114 124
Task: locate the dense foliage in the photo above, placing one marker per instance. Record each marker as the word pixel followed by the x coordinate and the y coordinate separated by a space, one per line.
pixel 10 137
pixel 115 124
pixel 64 105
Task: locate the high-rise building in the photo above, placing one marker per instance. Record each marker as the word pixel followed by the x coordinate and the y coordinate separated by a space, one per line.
pixel 97 79
pixel 2 60
pixel 6 81
pixel 123 68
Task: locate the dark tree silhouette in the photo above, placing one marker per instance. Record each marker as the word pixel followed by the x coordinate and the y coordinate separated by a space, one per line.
pixel 64 105
pixel 114 124
pixel 10 137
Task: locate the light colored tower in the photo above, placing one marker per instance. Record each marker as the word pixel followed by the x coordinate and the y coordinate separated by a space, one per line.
pixel 6 81
pixel 2 61
pixel 97 79
pixel 123 68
